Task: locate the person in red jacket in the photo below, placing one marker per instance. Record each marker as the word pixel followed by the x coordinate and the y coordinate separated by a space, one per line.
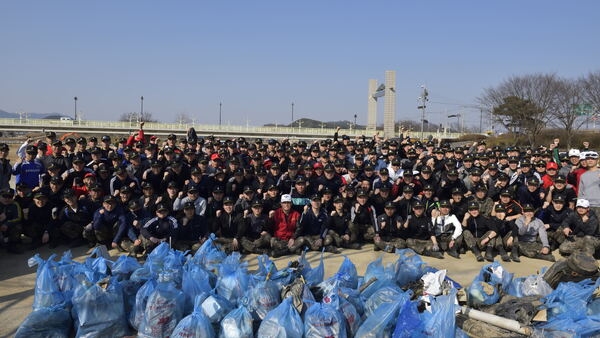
pixel 285 221
pixel 136 136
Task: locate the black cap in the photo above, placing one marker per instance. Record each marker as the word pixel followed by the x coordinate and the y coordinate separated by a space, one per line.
pixel 192 189
pixel 385 186
pixel 505 192
pixel 228 200
pixel 109 199
pixel 445 203
pixel 56 180
pixel 560 179
pixel 428 187
pixel 257 203
pixel 558 198
pixel 189 205
pixel 473 205
pixel 384 171
pixel 361 192
pixel 452 172
pixel 456 191
pixel 418 204
pixel 162 207
pixel 134 205
pixel 408 188
pixel 338 199
pixel 31 150
pixel 499 208
pixel 528 207
pixel 218 189
pixel 248 189
pixel 315 197
pixel 390 205
pixel 125 190
pixel 329 168
pixel 40 194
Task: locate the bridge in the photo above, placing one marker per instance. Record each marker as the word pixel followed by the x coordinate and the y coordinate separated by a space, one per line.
pixel 123 128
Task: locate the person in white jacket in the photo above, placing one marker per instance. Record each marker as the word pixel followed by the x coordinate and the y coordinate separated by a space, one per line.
pixel 448 229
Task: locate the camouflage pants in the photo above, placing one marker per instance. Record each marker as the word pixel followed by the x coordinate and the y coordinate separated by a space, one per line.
pixel 361 233
pixel 556 237
pixel 420 246
pixel 192 246
pixel 337 240
pixel 103 235
pixel 13 233
pixel 445 239
pixel 529 249
pixel 258 245
pixel 471 241
pixel 587 244
pixel 308 241
pixel 227 244
pixel 389 243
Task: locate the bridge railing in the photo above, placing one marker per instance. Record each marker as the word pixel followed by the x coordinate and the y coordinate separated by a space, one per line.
pixel 179 128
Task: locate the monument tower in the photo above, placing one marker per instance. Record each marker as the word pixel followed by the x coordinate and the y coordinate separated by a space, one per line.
pixel 387 90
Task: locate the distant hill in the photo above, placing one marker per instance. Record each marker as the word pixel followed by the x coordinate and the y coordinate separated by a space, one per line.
pixel 7 115
pixel 310 123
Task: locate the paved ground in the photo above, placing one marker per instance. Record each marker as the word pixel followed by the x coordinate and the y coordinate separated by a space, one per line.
pixel 17 279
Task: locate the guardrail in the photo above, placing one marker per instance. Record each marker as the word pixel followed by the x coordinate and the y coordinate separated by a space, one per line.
pixel 159 128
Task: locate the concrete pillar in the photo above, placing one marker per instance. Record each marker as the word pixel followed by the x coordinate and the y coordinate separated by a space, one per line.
pixel 389 108
pixel 372 106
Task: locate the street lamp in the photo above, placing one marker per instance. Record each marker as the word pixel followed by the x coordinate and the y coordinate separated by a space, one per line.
pixel 141 109
pixel 424 98
pixel 292 125
pixel 75 111
pixel 220 107
pixel 355 116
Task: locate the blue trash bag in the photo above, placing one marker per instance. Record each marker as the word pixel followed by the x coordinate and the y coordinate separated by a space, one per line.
pixel 441 322
pixel 315 275
pixel 515 288
pixel 99 310
pixel 384 295
pixel 378 276
pixel 209 256
pixel 482 293
pixel 65 277
pixel 196 281
pixel 535 285
pixel 284 321
pixel 569 300
pixel 351 316
pixel 141 299
pixel 568 327
pixel 263 297
pixel 495 274
pixel 196 325
pixel 381 322
pixel 215 307
pixel 409 267
pixel 324 320
pixel 409 321
pixel 46 292
pixel 233 279
pixel 173 264
pixel 354 297
pixel 130 289
pixel 124 266
pixel 237 324
pixel 163 310
pixel 48 322
pixel 347 274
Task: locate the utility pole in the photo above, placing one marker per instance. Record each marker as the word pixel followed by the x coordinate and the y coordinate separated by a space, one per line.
pixel 220 107
pixel 75 115
pixel 292 124
pixel 424 98
pixel 141 109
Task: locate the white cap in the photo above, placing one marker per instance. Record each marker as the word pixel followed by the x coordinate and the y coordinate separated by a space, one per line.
pixel 286 198
pixel 591 154
pixel 574 152
pixel 582 202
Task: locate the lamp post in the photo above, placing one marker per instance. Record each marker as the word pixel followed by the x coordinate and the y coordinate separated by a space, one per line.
pixel 75 111
pixel 141 109
pixel 292 125
pixel 220 107
pixel 355 116
pixel 424 98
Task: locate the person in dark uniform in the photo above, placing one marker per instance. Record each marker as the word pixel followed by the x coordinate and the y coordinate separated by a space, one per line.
pixel 162 228
pixel 107 220
pixel 504 231
pixel 479 233
pixel 362 219
pixel 421 237
pixel 553 216
pixel 38 221
pixel 312 227
pixel 338 233
pixel 193 229
pixel 72 220
pixel 257 230
pixel 529 237
pixel 11 220
pixel 581 228
pixel 227 227
pixel 390 233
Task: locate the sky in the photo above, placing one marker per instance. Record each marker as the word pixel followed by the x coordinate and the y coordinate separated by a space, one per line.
pixel 256 58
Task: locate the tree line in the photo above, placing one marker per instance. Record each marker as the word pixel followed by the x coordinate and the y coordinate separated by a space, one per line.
pixel 527 104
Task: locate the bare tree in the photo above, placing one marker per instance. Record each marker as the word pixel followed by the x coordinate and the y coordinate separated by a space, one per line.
pixel 539 89
pixel 567 117
pixel 136 117
pixel 591 89
pixel 183 118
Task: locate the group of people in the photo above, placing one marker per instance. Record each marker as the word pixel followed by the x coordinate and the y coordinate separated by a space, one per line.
pixel 280 197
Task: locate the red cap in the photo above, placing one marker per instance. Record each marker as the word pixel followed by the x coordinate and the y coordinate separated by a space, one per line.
pixel 214 156
pixel 89 175
pixel 317 165
pixel 153 137
pixel 551 165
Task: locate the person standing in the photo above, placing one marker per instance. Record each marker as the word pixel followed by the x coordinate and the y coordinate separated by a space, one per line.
pixel 589 182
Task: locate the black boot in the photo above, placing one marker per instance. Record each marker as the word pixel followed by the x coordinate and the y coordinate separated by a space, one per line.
pixel 503 254
pixel 477 253
pixel 489 254
pixel 452 252
pixel 514 254
pixel 435 254
pixel 279 252
pixel 547 257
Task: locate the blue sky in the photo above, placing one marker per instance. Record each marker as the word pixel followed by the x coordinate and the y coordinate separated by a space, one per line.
pixel 257 57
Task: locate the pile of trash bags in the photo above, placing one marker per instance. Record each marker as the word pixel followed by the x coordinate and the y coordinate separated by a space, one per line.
pixel 211 294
